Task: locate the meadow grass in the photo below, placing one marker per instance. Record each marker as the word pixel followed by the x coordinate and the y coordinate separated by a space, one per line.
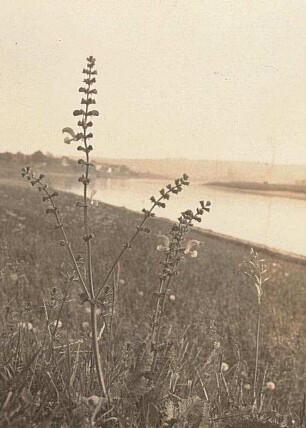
pixel 211 303
pixel 117 319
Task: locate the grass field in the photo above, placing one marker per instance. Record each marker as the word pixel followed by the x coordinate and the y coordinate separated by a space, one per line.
pixel 211 300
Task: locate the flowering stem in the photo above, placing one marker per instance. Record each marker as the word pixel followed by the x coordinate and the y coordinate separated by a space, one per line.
pixel 88 237
pixel 148 214
pixel 60 226
pixel 162 295
pixel 256 271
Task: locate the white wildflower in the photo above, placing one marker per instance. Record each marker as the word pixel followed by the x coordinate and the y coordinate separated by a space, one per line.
pixel 224 367
pixel 94 401
pixel 164 243
pixel 85 325
pixel 22 325
pixel 92 200
pixel 190 245
pixel 73 136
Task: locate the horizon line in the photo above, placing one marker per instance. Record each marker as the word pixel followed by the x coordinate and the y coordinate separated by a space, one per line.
pixel 163 158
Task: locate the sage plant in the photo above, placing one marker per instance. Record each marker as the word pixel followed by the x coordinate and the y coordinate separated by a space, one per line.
pixel 84 136
pixel 256 270
pixel 175 250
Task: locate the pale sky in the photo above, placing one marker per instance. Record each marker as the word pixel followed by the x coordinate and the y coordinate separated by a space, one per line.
pixel 200 79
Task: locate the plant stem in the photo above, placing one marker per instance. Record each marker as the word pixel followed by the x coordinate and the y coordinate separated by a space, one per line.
pixel 155 318
pixel 60 313
pixel 64 236
pixel 96 351
pixel 93 305
pixel 112 317
pixel 160 318
pixel 256 355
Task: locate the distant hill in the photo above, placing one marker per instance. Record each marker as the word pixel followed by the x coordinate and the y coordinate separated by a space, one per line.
pixel 206 171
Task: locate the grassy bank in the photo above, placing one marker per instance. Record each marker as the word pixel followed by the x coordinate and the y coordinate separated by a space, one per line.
pixel 213 301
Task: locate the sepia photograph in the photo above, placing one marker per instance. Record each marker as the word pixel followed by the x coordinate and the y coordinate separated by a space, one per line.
pixel 152 214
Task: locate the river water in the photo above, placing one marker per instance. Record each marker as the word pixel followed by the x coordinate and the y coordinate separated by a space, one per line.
pixel 274 221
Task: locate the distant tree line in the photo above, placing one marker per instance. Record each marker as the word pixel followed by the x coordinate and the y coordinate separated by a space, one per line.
pixel 51 163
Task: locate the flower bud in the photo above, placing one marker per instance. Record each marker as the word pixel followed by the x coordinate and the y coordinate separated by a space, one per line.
pixel 93 113
pixel 58 226
pixel 78 112
pixel 88 237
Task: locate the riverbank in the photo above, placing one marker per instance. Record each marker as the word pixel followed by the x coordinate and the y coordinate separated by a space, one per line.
pixel 282 191
pixel 210 290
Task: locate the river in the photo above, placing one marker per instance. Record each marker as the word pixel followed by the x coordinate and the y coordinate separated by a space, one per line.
pixel 276 222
